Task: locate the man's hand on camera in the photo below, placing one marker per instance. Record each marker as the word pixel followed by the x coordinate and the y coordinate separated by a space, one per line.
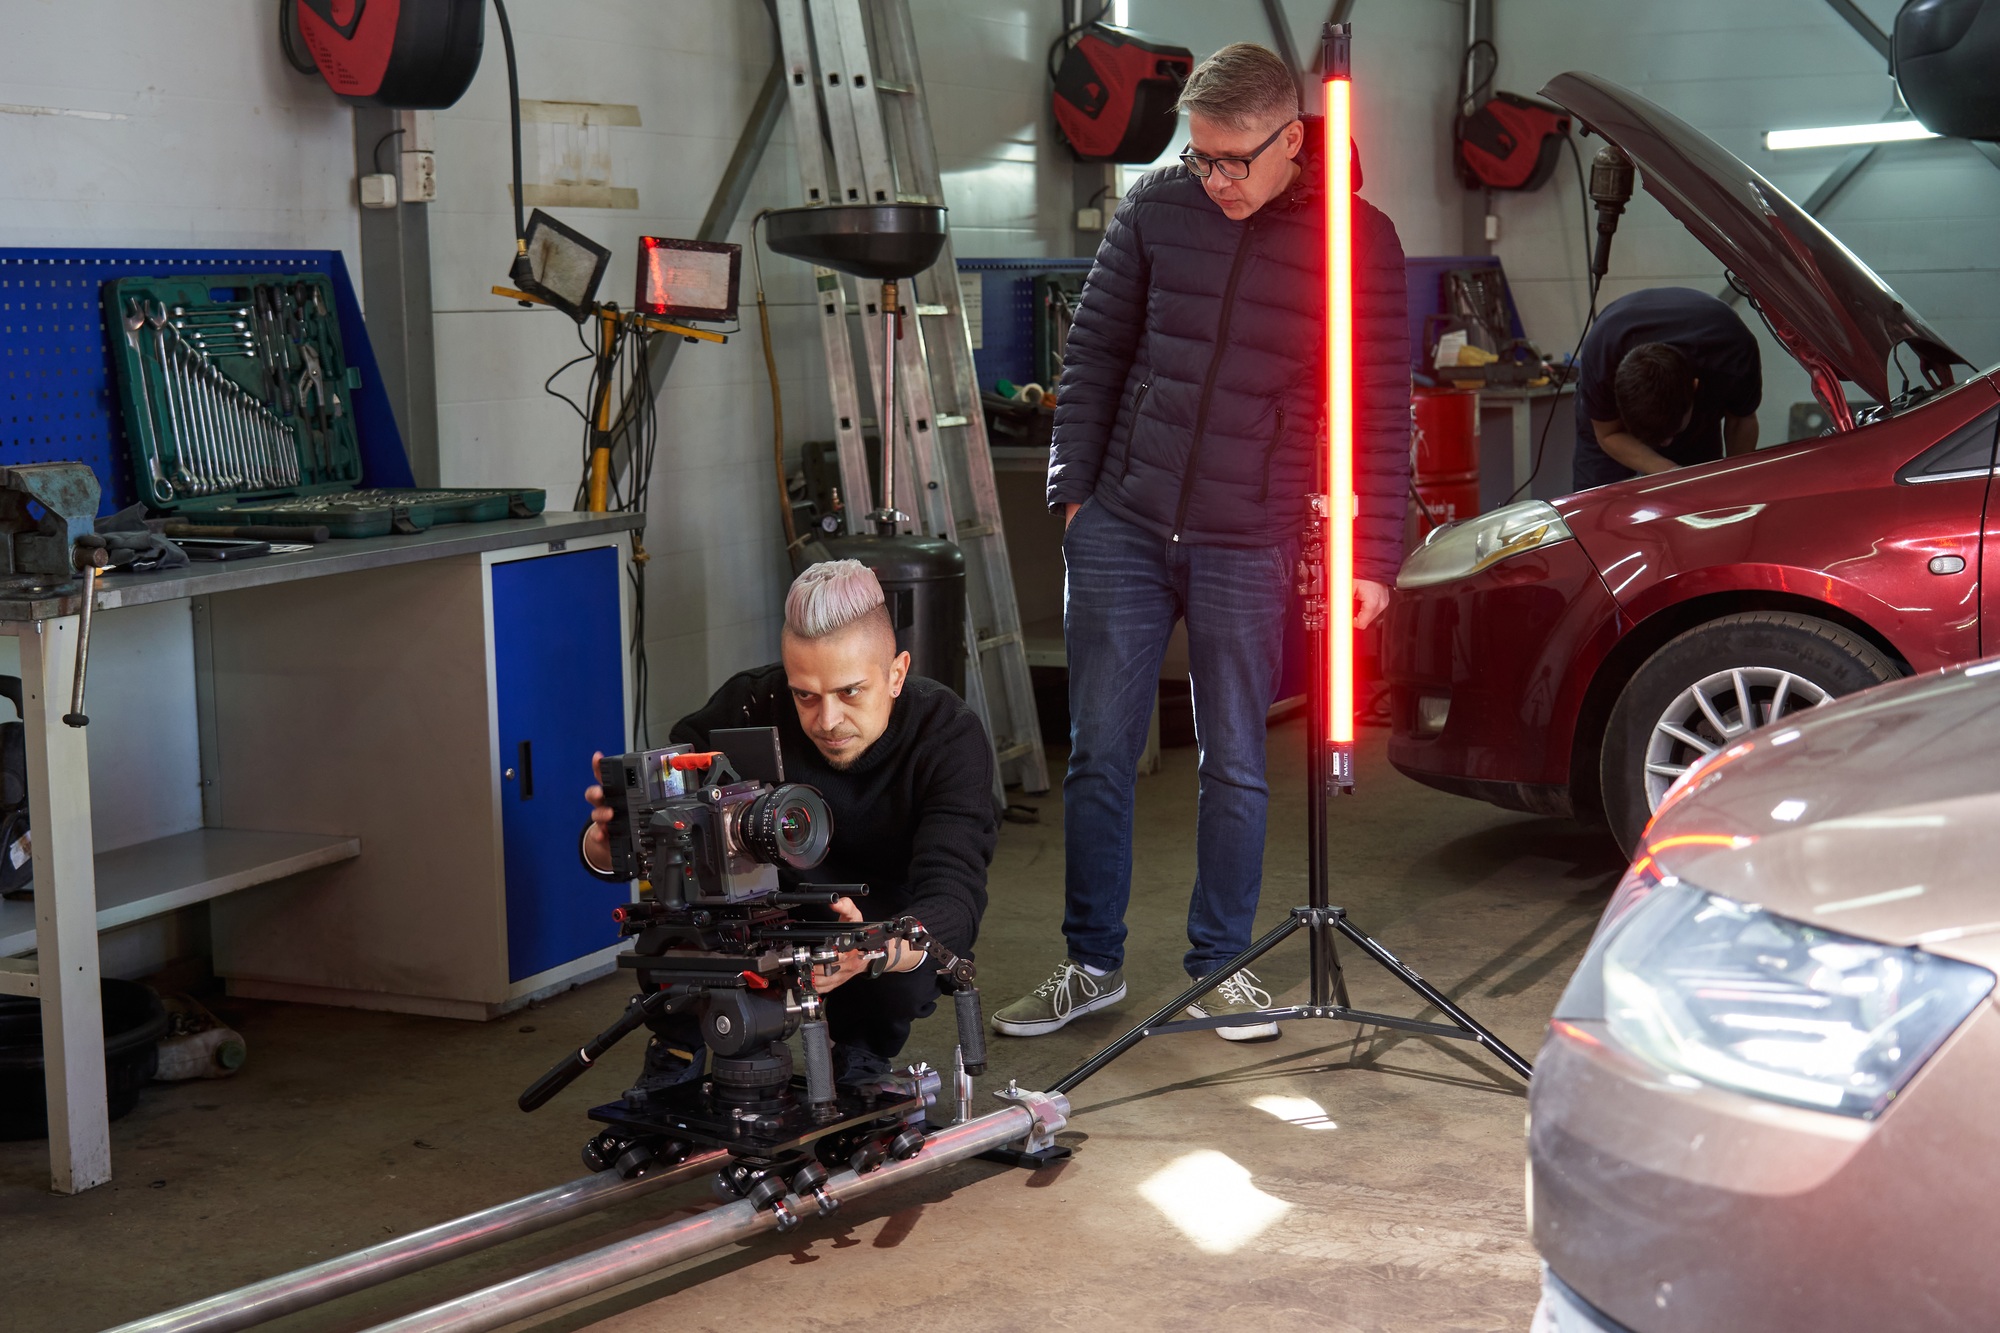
pixel 854 963
pixel 597 843
pixel 1371 599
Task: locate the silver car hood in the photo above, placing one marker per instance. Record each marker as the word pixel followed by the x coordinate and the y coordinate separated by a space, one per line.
pixel 1877 816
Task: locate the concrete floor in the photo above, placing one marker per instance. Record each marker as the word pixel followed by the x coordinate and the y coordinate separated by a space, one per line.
pixel 1307 1183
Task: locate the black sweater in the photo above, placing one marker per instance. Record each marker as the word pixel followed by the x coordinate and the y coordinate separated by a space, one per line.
pixel 913 818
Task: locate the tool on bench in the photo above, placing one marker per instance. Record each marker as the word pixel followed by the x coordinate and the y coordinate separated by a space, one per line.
pixel 49 546
pixel 254 532
pixel 239 410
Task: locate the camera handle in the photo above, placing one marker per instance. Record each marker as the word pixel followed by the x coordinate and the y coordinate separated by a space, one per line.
pixel 641 1008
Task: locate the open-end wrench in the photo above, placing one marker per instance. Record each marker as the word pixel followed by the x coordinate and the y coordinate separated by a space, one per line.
pixel 135 320
pixel 191 465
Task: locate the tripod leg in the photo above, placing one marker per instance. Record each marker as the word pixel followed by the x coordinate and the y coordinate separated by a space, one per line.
pixel 1271 939
pixel 1436 997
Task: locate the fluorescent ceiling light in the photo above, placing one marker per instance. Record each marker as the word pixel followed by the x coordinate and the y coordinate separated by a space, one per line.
pixel 1834 136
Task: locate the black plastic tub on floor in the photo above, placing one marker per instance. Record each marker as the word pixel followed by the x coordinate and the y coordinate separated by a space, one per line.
pixel 134 1022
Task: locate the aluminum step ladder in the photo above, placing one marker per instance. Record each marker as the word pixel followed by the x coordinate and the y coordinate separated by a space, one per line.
pixel 857 98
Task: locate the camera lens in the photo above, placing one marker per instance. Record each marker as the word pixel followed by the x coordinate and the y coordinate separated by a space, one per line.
pixel 787 826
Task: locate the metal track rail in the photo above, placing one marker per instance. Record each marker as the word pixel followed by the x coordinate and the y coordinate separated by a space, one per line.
pixel 263 1301
pixel 1036 1118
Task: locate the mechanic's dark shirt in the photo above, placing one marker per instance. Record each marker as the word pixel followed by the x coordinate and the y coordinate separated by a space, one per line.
pixel 1704 330
pixel 913 818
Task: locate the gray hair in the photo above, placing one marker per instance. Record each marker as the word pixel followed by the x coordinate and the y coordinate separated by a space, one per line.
pixel 1243 86
pixel 830 596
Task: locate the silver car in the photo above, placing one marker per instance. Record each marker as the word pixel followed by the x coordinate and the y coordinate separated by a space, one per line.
pixel 1770 1097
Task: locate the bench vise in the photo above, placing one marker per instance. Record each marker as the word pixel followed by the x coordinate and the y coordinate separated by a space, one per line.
pixel 48 517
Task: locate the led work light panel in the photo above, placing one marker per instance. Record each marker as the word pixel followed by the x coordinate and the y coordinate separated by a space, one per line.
pixel 688 279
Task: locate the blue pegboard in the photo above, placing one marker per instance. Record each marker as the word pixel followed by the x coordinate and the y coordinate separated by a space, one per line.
pixel 1007 330
pixel 60 403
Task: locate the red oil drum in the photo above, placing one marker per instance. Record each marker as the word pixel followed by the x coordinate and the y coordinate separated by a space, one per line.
pixel 1445 456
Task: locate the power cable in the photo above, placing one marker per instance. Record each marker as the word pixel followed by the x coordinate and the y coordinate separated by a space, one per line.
pixel 1542 445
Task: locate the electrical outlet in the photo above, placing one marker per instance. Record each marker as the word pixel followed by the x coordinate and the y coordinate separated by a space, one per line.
pixel 1090 219
pixel 419 178
pixel 378 190
pixel 1492 227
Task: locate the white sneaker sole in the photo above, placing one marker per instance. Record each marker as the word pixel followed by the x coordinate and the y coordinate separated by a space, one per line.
pixel 1246 1032
pixel 1045 1026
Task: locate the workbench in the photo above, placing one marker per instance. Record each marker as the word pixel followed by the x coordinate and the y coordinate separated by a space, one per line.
pixel 367 758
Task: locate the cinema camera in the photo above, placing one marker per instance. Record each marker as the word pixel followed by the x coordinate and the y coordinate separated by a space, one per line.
pixel 718 951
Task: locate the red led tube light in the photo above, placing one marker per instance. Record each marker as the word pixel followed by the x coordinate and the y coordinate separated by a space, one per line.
pixel 1337 88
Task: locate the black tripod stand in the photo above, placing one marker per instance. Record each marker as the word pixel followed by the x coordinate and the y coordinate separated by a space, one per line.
pixel 1328 766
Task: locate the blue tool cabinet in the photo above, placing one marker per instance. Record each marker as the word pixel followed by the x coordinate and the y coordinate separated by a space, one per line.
pixel 559 693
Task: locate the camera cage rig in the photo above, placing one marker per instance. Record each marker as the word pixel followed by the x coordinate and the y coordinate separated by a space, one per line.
pixel 718 952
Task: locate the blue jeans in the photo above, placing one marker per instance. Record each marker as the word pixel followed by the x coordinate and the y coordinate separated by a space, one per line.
pixel 1125 590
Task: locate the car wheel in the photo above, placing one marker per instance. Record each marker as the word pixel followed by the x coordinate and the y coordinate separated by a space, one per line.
pixel 1713 684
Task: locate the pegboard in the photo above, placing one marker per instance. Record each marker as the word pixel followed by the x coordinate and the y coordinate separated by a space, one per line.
pixel 1007 334
pixel 58 402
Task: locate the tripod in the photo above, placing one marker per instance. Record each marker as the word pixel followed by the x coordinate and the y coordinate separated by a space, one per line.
pixel 1329 767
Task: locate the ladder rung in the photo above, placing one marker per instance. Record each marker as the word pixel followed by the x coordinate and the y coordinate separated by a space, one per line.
pixel 933 309
pixel 945 420
pixel 1021 751
pixel 968 530
pixel 900 89
pixel 988 644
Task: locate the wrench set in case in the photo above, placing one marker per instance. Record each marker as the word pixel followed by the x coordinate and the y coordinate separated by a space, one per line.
pixel 237 400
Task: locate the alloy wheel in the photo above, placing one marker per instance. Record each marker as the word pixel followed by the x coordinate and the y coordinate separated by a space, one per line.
pixel 1714 711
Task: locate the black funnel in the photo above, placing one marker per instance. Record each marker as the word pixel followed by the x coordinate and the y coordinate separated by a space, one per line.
pixel 887 242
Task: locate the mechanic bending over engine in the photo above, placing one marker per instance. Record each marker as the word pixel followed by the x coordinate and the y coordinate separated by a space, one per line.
pixel 1670 378
pixel 905 768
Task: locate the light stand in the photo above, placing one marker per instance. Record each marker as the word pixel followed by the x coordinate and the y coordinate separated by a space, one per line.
pixel 1326 585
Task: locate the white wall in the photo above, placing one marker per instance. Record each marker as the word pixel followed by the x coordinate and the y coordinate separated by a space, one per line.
pixel 718 571
pixel 126 123
pixel 1919 214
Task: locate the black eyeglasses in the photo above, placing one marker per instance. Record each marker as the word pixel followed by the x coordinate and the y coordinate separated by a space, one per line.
pixel 1199 165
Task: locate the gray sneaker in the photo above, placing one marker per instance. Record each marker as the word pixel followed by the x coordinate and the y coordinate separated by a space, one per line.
pixel 1069 993
pixel 1239 995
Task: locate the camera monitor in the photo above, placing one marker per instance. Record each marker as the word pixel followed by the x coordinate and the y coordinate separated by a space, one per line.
pixel 688 280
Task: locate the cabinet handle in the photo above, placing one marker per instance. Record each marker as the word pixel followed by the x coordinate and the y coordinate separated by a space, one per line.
pixel 527 766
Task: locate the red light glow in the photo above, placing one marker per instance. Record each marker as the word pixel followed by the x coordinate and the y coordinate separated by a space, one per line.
pixel 1340 408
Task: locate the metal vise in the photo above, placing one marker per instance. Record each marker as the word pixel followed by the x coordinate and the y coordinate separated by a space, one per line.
pixel 38 551
pixel 42 553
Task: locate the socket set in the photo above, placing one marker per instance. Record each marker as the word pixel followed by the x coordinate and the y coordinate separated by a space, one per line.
pixel 237 400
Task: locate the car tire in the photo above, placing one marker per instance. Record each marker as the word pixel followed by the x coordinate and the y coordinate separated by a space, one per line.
pixel 1699 678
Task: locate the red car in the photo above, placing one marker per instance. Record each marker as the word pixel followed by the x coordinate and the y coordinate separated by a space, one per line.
pixel 1574 658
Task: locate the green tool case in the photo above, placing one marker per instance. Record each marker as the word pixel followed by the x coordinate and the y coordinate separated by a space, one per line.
pixel 237 401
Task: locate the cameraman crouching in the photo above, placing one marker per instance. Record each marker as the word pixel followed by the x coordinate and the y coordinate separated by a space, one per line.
pixel 906 770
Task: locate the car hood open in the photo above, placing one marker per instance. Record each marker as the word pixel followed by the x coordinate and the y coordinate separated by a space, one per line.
pixel 1829 309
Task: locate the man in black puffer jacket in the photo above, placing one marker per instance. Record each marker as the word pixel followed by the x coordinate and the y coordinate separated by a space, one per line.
pixel 1186 439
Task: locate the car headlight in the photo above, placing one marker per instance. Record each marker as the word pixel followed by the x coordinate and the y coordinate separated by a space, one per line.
pixel 1716 990
pixel 1466 548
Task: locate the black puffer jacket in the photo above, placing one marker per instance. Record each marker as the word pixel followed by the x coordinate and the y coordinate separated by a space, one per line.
pixel 1191 402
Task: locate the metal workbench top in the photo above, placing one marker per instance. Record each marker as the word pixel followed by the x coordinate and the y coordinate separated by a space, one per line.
pixel 329 557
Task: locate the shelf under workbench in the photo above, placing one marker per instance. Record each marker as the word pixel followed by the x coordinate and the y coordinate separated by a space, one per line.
pixel 150 879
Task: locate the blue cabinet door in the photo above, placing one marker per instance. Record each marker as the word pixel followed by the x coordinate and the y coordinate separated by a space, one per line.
pixel 558 667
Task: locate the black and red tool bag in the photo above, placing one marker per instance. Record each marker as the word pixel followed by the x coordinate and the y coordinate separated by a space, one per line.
pixel 410 54
pixel 1510 143
pixel 1115 93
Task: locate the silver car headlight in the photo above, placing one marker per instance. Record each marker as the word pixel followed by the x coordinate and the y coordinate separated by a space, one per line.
pixel 1466 548
pixel 1731 995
